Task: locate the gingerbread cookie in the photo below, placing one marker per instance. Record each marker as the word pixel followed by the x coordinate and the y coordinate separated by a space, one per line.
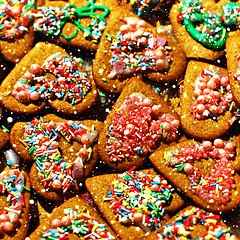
pixel 132 47
pixel 139 121
pixel 207 103
pixel 64 153
pixel 193 223
pixel 134 202
pixel 14 199
pixel 16 36
pixel 202 27
pixel 74 219
pixel 233 65
pixel 75 23
pixel 205 172
pixel 47 75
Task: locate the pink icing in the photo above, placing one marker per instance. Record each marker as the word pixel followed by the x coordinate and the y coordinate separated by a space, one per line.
pixel 212 93
pixel 136 49
pixel 137 126
pixel 215 187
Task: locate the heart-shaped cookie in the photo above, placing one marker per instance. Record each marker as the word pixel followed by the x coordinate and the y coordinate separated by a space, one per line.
pixel 74 219
pixel 138 123
pixel 233 65
pixel 16 36
pixel 78 24
pixel 193 223
pixel 63 153
pixel 207 104
pixel 132 47
pixel 134 202
pixel 47 74
pixel 204 171
pixel 202 27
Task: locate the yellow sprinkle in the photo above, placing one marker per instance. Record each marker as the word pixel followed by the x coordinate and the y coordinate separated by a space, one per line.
pixel 20 140
pixel 94 227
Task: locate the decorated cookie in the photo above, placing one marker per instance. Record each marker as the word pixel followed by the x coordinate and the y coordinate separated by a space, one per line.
pixel 138 123
pixel 47 75
pixel 207 102
pixel 233 65
pixel 202 27
pixel 63 153
pixel 76 23
pixel 16 32
pixel 193 223
pixel 14 199
pixel 134 203
pixel 203 171
pixel 74 219
pixel 132 47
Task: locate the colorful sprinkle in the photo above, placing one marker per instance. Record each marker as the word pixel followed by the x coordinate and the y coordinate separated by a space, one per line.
pixel 80 222
pixel 215 27
pixel 42 140
pixel 12 182
pixel 15 18
pixel 135 49
pixel 71 85
pixel 51 20
pixel 137 198
pixel 188 218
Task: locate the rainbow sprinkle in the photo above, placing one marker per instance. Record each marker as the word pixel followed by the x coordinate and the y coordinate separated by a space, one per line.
pixel 82 224
pixel 137 198
pixel 41 138
pixel 12 181
pixel 188 218
pixel 71 85
pixel 15 18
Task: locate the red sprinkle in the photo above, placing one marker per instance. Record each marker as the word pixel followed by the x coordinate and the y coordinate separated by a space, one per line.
pixel 136 127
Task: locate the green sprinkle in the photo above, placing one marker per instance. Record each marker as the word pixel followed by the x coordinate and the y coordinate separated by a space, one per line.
pixel 44 173
pixel 26 188
pixel 31 149
pixel 180 167
pixel 109 37
pixel 101 94
pixel 5 129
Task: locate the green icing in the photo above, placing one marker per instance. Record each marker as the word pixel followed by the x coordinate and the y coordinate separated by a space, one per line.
pixel 52 20
pixel 209 29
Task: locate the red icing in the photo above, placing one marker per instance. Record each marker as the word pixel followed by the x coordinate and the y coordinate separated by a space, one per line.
pixel 137 126
pixel 215 187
